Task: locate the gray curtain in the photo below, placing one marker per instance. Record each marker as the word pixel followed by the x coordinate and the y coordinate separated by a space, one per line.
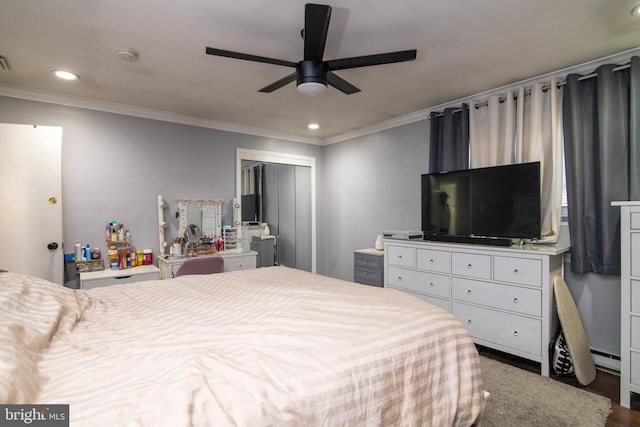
pixel 449 140
pixel 601 118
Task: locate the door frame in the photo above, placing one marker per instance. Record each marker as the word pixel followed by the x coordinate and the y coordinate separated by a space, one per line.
pixel 284 159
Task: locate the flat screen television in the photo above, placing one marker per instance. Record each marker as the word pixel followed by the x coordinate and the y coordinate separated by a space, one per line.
pixel 492 205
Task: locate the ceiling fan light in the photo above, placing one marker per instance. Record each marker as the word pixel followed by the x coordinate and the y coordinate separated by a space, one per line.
pixel 311 88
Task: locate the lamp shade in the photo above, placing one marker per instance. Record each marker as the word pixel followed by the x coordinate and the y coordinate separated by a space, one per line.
pixel 311 88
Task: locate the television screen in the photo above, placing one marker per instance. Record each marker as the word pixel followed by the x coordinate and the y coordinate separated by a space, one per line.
pixel 499 201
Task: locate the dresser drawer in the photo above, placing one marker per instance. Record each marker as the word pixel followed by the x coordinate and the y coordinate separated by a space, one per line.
pixel 635 296
pixel 373 262
pixel 367 276
pixel 173 268
pixel 120 279
pixel 471 265
pixel 635 254
pixel 419 281
pixel 635 332
pixel 240 263
pixel 444 304
pixel 436 261
pixel 635 368
pixel 402 256
pixel 504 297
pixel 524 271
pixel 635 220
pixel 509 330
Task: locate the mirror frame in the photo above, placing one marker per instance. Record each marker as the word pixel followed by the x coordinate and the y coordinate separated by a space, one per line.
pixel 183 204
pixel 280 158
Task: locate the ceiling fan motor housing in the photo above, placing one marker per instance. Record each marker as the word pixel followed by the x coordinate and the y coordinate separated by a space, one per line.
pixel 313 74
pixel 310 71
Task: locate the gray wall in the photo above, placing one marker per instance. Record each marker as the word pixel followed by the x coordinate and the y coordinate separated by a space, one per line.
pixel 372 184
pixel 114 166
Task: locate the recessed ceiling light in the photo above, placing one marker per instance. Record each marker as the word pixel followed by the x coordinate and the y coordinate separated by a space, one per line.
pixel 313 126
pixel 636 11
pixel 66 75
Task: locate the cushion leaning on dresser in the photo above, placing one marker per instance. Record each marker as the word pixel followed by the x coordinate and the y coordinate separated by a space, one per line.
pixel 503 296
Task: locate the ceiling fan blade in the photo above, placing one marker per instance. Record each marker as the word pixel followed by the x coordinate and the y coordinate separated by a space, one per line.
pixel 341 84
pixel 247 57
pixel 316 27
pixel 277 85
pixel 367 60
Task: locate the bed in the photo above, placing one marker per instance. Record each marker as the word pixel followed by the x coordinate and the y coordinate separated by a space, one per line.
pixel 264 347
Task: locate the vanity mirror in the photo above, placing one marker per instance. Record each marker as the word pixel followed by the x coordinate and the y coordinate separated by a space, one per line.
pixel 192 236
pixel 205 213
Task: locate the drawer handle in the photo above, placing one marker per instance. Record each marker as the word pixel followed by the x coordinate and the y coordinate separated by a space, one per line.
pixel 399 277
pixel 515 271
pixel 122 277
pixel 431 261
pixel 400 256
pixel 431 284
pixel 515 300
pixel 469 322
pixel 515 333
pixel 469 266
pixel 468 291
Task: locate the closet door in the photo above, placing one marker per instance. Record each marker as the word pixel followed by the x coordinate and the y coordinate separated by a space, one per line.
pixel 287 216
pixel 303 217
pixel 286 200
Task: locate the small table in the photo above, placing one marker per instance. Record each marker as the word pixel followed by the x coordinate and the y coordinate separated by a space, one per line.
pixel 368 267
pixel 107 277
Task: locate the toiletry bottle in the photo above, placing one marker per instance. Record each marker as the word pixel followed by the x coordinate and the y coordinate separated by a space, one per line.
pixel 78 248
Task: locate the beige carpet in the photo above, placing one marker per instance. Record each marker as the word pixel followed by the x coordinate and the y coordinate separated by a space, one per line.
pixel 521 398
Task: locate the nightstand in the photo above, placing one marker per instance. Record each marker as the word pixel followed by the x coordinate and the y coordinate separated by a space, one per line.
pixel 368 267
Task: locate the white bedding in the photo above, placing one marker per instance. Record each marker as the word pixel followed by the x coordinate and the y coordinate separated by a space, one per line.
pixel 265 347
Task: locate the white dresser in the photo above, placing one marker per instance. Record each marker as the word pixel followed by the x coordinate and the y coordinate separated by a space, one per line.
pixel 504 296
pixel 234 259
pixel 630 300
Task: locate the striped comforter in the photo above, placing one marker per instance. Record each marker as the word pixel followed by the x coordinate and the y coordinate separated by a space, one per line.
pixel 265 347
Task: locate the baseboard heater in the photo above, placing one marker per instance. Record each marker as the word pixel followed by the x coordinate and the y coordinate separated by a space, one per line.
pixel 606 360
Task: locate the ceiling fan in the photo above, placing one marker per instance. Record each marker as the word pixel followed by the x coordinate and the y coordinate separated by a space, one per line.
pixel 312 73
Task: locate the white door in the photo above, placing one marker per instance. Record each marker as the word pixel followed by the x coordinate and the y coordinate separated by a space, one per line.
pixel 31 207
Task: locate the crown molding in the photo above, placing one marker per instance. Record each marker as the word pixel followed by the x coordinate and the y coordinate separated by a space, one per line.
pixel 584 68
pixel 378 127
pixel 110 107
pixel 147 113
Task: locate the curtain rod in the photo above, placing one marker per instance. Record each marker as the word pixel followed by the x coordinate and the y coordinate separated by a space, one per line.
pixel 545 88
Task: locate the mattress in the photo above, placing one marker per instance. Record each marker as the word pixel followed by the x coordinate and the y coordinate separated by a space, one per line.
pixel 264 347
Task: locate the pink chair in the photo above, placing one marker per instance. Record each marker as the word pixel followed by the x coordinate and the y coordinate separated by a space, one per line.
pixel 201 265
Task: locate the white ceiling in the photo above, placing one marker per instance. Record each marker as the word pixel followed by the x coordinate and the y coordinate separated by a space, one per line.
pixel 465 47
